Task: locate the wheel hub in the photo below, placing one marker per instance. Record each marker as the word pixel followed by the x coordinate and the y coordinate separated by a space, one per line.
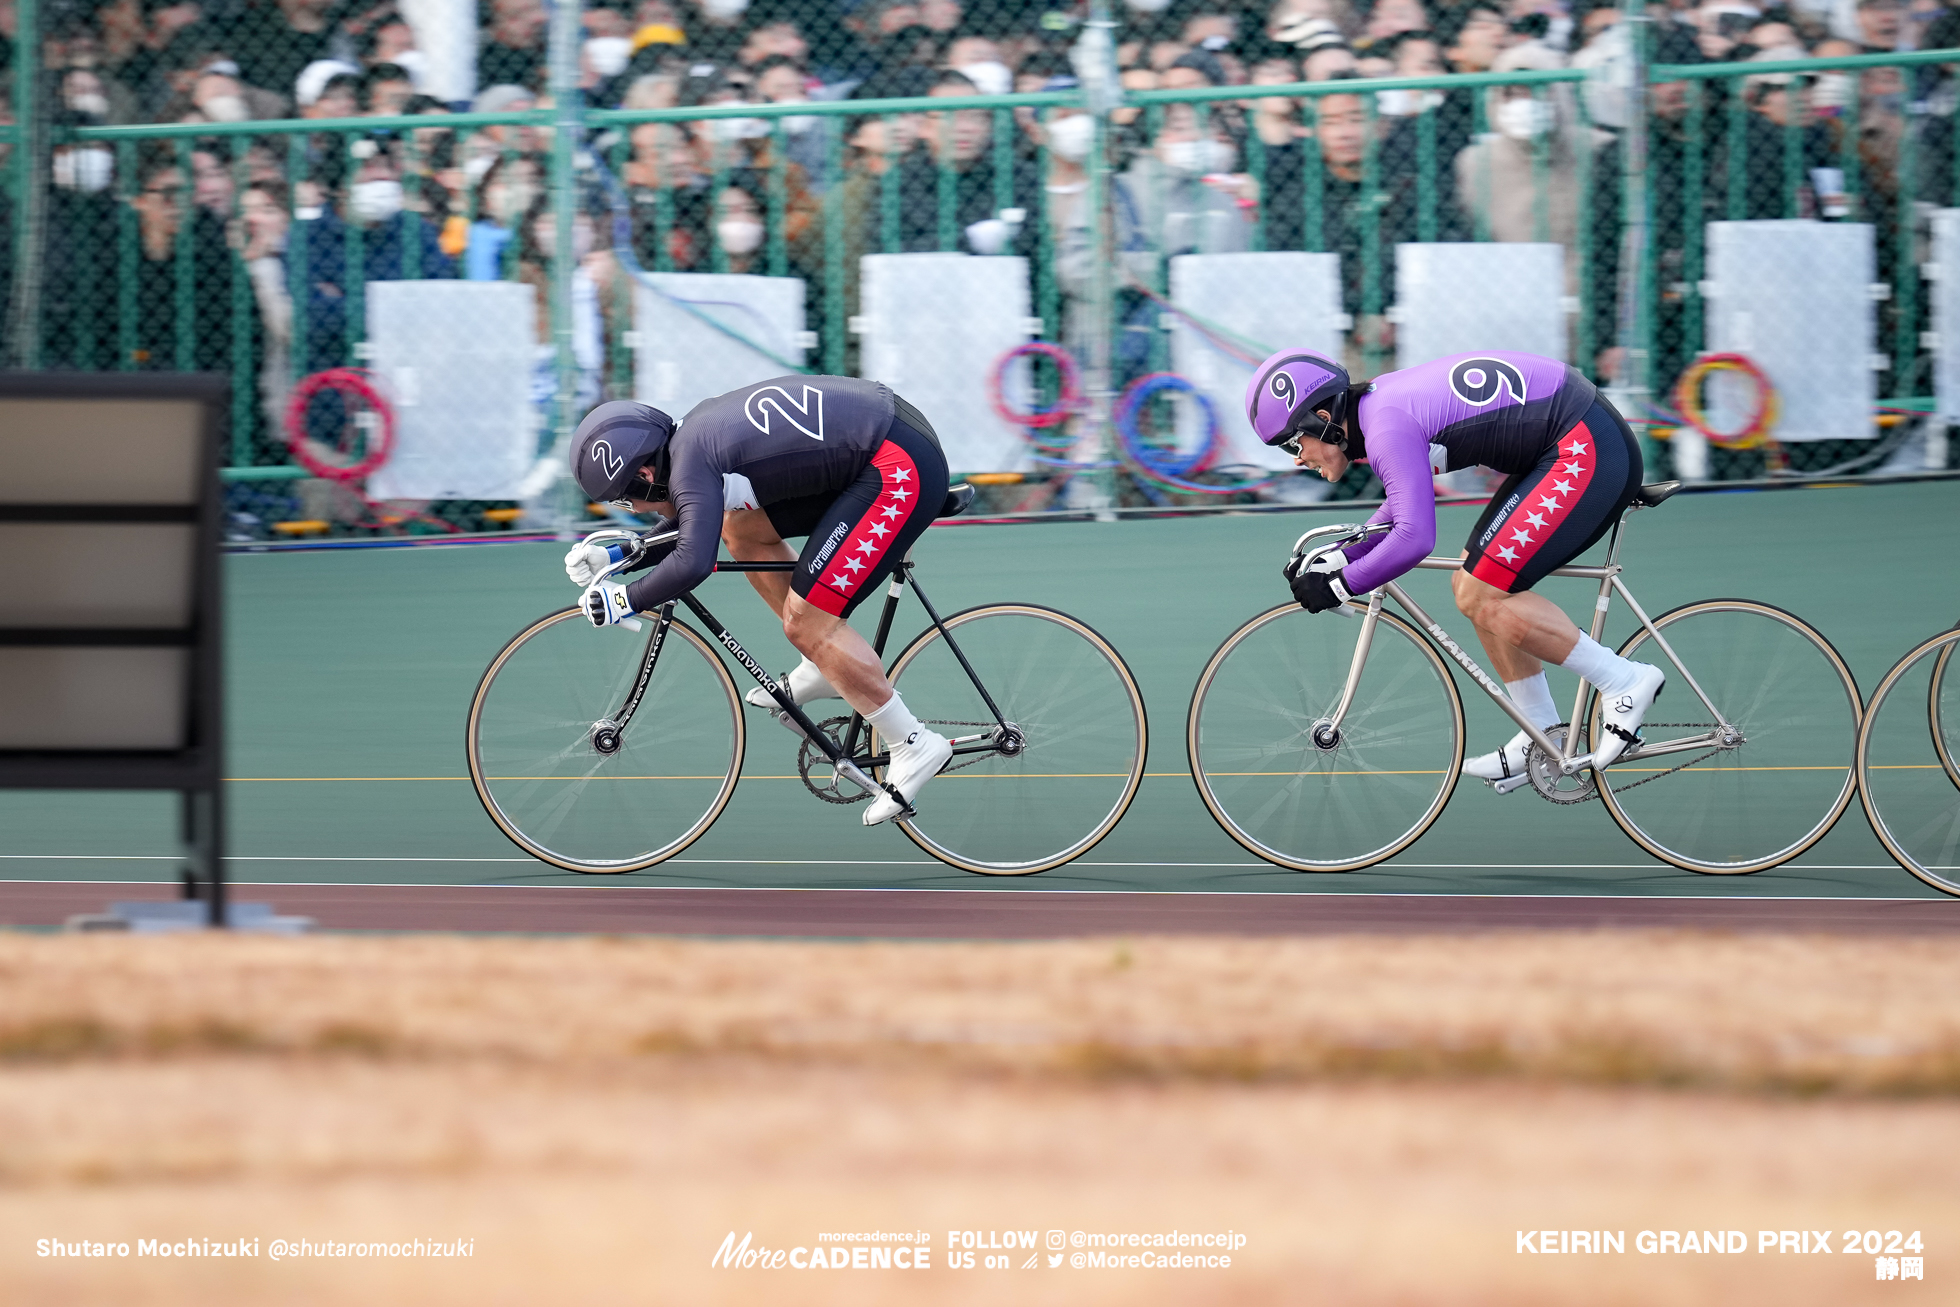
pixel 1010 740
pixel 605 738
pixel 1326 736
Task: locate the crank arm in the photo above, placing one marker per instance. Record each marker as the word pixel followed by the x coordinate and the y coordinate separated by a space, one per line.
pixel 1509 783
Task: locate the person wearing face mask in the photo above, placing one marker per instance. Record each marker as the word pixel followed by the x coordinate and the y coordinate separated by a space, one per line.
pixel 1184 195
pixel 391 248
pixel 1521 181
pixel 1419 54
pixel 780 79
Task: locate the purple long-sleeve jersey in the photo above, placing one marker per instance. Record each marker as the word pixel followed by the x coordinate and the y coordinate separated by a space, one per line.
pixel 1499 410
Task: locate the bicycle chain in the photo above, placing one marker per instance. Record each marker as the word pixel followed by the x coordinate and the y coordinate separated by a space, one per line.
pixel 1634 785
pixel 808 756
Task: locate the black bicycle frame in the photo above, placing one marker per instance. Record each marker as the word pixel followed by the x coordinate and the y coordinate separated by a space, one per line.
pixel 843 757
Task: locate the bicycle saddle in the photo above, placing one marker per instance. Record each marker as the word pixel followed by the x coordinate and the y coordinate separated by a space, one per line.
pixel 958 499
pixel 1657 494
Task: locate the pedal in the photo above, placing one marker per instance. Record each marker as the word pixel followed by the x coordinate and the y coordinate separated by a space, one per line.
pixel 1509 783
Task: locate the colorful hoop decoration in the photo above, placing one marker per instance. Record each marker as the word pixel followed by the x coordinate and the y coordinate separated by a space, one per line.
pixel 1687 399
pixel 1065 405
pixel 352 381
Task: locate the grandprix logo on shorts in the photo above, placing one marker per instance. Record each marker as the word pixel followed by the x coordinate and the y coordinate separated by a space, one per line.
pixel 1478 382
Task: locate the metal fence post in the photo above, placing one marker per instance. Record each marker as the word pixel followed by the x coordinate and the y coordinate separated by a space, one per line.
pixel 1095 65
pixel 1635 374
pixel 568 121
pixel 30 194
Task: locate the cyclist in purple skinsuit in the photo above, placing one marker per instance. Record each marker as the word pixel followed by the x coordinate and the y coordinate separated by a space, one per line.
pixel 1572 465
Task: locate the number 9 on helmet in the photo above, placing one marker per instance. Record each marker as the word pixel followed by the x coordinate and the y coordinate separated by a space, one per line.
pixel 1287 392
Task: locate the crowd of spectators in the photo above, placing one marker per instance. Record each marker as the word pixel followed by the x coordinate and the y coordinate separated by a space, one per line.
pixel 1344 172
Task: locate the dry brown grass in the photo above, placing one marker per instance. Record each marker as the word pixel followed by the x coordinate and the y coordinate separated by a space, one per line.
pixel 1379 1115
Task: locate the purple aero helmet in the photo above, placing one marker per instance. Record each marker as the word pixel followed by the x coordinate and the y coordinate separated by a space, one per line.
pixel 1286 391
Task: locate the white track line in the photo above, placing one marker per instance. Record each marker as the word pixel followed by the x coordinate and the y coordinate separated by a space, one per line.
pixel 1155 893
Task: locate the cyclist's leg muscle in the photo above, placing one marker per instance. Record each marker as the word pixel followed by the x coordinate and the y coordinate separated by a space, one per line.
pixel 752 537
pixel 843 656
pixel 1540 520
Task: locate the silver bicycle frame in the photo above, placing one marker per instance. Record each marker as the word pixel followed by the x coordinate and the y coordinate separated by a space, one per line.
pixel 1608 576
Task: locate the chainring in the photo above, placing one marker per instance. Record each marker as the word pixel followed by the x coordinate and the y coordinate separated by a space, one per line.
pixel 810 758
pixel 1551 783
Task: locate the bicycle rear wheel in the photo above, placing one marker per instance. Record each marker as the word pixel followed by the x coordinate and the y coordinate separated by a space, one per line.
pixel 1078 711
pixel 1786 775
pixel 1370 793
pixel 1907 786
pixel 548 785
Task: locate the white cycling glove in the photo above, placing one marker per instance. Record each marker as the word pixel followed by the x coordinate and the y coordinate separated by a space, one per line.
pixel 584 563
pixel 606 604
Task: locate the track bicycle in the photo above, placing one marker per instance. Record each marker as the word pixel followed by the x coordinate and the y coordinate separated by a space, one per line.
pixel 1908 773
pixel 612 750
pixel 1330 746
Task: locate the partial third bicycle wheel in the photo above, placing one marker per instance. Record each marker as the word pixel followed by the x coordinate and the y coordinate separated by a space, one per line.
pixel 1905 767
pixel 568 793
pixel 1293 792
pixel 1943 712
pixel 1080 721
pixel 1786 771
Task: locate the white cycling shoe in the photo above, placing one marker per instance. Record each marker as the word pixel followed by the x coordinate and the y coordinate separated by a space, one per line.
pixel 1620 715
pixel 915 760
pixel 1502 764
pixel 804 683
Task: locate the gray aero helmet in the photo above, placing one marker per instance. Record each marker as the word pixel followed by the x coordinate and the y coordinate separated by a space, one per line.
pixel 613 443
pixel 1282 399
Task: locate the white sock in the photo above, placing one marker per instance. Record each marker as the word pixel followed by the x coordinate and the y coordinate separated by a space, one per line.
pixel 1533 697
pixel 1609 673
pixel 894 721
pixel 806 682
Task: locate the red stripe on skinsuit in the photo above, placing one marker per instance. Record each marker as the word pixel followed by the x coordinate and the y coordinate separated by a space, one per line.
pixel 1493 573
pixel 1540 513
pixel 898 497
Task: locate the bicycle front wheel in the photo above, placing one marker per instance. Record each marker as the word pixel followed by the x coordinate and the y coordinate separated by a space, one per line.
pixel 1351 799
pixel 1908 787
pixel 538 753
pixel 1782 715
pixel 1079 717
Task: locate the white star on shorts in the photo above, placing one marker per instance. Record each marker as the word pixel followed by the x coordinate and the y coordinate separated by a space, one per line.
pixel 1521 535
pixel 1550 504
pixel 1508 554
pixel 841 582
pixel 901 495
pixel 1562 487
pixel 1534 519
pixel 880 530
pixel 900 474
pixel 855 564
pixel 868 547
pixel 1576 447
pixel 1575 469
pixel 892 510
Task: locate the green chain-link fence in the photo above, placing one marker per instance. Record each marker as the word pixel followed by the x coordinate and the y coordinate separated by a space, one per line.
pixel 415 302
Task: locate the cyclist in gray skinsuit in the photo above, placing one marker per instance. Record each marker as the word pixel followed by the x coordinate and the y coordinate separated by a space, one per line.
pixel 843 462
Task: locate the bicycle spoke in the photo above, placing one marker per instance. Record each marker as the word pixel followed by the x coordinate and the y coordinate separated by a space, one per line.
pixel 1259 770
pixel 1750 804
pixel 1081 722
pixel 546 783
pixel 1904 753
